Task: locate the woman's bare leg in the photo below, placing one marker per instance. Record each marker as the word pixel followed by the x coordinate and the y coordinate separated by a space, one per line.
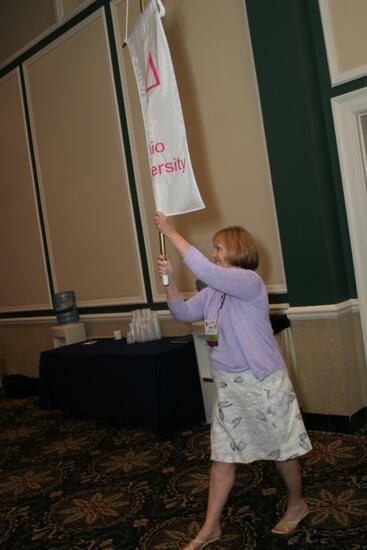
pixel 290 471
pixel 221 481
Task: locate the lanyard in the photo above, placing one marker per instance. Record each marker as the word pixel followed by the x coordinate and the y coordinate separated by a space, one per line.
pixel 222 300
pixel 211 327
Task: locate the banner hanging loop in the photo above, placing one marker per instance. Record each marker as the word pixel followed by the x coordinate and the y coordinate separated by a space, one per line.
pixel 161 8
pixel 126 23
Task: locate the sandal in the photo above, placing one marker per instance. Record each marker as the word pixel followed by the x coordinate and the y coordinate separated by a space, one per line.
pixel 285 527
pixel 203 543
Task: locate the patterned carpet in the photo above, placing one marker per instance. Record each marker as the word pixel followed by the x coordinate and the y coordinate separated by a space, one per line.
pixel 70 484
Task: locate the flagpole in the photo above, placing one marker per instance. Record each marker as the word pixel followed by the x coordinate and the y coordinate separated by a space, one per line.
pixel 162 246
pixel 162 243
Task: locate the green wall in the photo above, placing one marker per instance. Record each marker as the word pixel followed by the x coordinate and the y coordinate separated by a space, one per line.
pixel 290 60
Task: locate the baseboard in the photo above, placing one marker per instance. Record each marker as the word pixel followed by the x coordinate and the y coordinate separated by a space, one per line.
pixel 335 423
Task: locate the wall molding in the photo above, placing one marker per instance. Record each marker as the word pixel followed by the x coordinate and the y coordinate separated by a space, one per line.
pixel 23 50
pixel 24 307
pixel 336 76
pixel 347 112
pixel 329 311
pixel 40 319
pixel 278 288
pixel 164 315
pixel 60 19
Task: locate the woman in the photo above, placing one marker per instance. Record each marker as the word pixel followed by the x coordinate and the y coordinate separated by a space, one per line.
pixel 256 415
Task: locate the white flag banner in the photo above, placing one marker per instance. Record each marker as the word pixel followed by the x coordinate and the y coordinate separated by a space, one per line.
pixel 174 184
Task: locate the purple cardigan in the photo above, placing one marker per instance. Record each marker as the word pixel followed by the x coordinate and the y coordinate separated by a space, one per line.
pixel 246 339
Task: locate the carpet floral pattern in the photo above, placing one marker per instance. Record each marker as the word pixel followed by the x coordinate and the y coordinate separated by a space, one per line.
pixel 70 483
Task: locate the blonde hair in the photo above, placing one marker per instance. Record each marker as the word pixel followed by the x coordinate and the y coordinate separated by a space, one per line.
pixel 240 246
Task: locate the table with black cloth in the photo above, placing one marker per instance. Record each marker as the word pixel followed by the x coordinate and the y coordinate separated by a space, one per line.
pixel 153 385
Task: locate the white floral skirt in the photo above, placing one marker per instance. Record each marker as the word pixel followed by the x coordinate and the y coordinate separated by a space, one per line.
pixel 256 419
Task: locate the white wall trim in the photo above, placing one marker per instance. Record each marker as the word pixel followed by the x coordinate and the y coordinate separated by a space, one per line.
pixel 59 11
pixel 347 111
pixel 271 289
pixel 40 319
pixel 331 311
pixel 163 315
pixel 337 77
pixel 279 309
pixel 24 307
pixel 278 288
pixel 117 301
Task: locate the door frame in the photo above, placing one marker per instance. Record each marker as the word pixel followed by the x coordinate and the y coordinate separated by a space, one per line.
pixel 347 112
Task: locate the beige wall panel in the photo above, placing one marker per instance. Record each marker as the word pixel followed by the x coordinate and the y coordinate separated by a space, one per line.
pixel 355 362
pixel 83 182
pixel 23 280
pixel 348 20
pixel 21 21
pixel 70 6
pixel 331 369
pixel 345 36
pixel 210 48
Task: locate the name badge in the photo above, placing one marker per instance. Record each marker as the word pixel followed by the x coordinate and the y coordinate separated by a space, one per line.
pixel 211 332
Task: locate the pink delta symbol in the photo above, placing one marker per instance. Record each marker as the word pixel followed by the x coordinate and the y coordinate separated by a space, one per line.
pixel 152 74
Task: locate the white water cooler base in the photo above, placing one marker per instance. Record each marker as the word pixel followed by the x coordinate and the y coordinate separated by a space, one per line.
pixel 70 333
